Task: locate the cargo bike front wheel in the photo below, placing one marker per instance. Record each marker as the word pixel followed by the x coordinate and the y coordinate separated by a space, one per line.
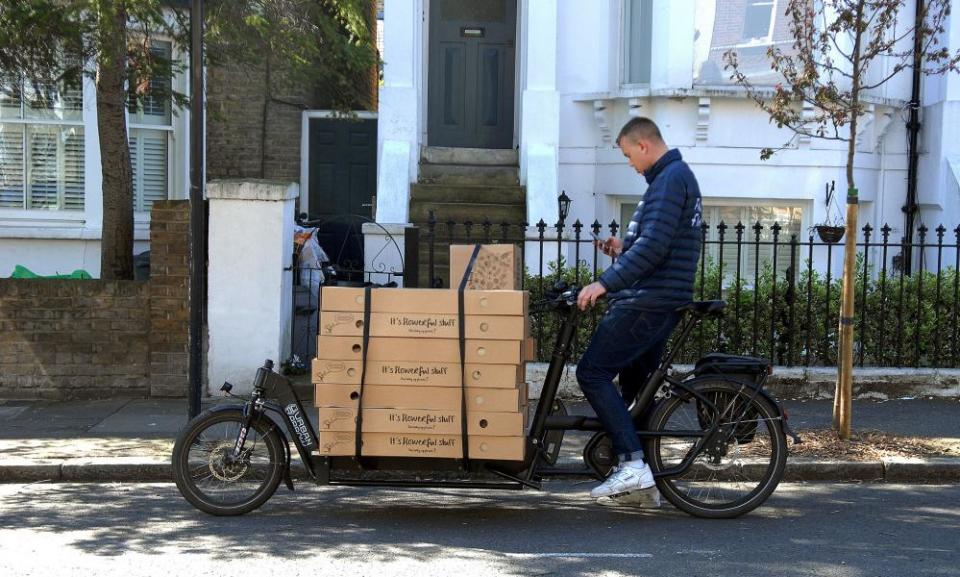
pixel 212 479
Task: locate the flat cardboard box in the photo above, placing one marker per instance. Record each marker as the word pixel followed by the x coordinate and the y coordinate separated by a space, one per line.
pixel 426 398
pixel 430 301
pixel 487 352
pixel 438 422
pixel 345 324
pixel 417 373
pixel 498 266
pixel 342 444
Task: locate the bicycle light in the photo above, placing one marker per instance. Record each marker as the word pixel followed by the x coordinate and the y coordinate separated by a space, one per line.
pixel 227 387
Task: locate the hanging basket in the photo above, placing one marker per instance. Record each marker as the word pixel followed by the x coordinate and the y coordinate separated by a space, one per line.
pixel 830 234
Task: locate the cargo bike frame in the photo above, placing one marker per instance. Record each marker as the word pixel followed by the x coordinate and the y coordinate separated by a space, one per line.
pixel 715 438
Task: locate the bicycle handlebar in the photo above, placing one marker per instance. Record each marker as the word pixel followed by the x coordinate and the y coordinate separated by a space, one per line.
pixel 561 297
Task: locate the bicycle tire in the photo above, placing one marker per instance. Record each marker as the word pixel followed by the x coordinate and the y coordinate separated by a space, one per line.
pixel 767 470
pixel 270 461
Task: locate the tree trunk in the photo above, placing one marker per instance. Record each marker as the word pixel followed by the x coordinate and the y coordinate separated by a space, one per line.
pixel 116 245
pixel 843 396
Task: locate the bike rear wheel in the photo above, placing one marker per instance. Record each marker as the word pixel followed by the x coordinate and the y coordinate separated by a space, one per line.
pixel 738 469
pixel 206 473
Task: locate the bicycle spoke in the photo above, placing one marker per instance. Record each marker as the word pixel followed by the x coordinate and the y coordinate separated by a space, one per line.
pixel 740 458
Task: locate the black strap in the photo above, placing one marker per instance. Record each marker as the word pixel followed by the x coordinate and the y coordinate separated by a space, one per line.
pixel 367 294
pixel 461 322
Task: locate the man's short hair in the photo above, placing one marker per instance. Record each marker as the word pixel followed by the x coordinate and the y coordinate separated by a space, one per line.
pixel 640 127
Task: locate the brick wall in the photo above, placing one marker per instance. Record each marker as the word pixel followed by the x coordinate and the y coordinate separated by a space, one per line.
pixel 241 142
pixel 169 297
pixel 70 339
pixel 66 339
pixel 253 123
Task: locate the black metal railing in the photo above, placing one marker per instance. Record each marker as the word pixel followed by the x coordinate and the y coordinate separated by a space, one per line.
pixel 783 288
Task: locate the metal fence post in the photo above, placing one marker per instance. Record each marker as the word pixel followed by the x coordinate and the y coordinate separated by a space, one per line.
pixel 411 257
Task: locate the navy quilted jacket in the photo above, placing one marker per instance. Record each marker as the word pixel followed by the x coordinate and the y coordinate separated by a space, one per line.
pixel 658 264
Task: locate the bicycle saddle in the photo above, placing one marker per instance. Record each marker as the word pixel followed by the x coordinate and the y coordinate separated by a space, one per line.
pixel 706 308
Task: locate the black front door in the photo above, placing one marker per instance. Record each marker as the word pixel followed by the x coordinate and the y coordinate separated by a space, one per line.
pixel 343 181
pixel 471 73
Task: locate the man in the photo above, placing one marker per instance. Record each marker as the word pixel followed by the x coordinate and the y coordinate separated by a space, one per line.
pixel 652 276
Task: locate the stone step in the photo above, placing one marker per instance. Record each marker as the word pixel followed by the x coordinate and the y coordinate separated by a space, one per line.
pixel 487 193
pixel 463 174
pixel 474 212
pixel 469 156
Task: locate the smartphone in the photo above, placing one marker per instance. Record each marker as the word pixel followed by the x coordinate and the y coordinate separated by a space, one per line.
pixel 596 237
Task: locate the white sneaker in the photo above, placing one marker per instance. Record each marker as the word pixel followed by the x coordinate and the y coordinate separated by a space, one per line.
pixel 629 476
pixel 640 499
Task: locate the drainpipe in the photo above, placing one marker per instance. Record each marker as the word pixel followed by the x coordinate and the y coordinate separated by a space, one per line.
pixel 913 129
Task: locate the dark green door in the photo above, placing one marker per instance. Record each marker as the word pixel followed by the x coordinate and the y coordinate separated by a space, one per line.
pixel 343 181
pixel 471 73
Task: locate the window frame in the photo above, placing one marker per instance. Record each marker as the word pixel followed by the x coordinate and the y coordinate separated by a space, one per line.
pixel 25 122
pixel 768 37
pixel 712 248
pixel 626 9
pixel 135 123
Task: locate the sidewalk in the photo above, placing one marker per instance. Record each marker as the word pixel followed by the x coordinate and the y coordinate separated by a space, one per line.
pixel 131 440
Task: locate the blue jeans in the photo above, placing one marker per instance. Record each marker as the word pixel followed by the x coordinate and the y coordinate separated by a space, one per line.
pixel 627 342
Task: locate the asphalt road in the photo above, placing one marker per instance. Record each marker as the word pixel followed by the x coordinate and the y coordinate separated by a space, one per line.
pixel 846 530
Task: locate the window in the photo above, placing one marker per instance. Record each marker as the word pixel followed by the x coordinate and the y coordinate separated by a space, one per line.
pixel 150 127
pixel 637 36
pixel 747 27
pixel 790 218
pixel 41 146
pixel 626 215
pixel 757 20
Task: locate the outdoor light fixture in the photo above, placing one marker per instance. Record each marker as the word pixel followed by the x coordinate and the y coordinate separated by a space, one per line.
pixel 563 205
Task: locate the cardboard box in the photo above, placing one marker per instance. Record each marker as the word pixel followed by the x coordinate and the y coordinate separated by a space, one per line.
pixel 498 266
pixel 437 422
pixel 424 325
pixel 412 445
pixel 417 373
pixel 416 349
pixel 430 301
pixel 529 350
pixel 426 398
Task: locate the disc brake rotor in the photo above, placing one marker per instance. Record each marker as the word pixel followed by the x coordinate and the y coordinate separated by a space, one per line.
pixel 222 469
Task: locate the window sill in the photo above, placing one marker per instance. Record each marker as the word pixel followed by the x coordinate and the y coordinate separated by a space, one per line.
pixel 708 91
pixel 49 229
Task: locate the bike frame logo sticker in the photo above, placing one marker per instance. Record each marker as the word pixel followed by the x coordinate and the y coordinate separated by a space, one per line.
pixel 296 420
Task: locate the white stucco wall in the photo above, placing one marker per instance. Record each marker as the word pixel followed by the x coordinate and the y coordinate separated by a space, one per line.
pixel 723 145
pixel 249 290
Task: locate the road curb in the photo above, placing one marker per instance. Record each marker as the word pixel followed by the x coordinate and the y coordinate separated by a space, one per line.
pixel 157 469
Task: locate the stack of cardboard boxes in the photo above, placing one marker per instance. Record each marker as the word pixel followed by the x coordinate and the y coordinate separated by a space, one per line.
pixel 412 380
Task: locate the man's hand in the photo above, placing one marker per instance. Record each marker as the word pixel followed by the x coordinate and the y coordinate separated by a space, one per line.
pixel 612 247
pixel 589 294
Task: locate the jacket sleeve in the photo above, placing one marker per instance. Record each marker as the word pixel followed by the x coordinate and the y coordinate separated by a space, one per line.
pixel 659 222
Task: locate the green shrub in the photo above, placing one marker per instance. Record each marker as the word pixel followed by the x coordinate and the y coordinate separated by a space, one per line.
pixel 793 318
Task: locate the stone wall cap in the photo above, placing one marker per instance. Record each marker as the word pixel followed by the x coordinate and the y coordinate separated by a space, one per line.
pixel 252 189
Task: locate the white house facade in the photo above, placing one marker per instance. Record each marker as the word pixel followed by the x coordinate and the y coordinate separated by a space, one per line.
pixel 584 68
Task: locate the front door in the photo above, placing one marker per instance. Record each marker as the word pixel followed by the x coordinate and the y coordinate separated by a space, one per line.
pixel 343 180
pixel 471 73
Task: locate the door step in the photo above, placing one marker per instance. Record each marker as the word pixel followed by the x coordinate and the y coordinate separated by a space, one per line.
pixel 469 174
pixel 469 156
